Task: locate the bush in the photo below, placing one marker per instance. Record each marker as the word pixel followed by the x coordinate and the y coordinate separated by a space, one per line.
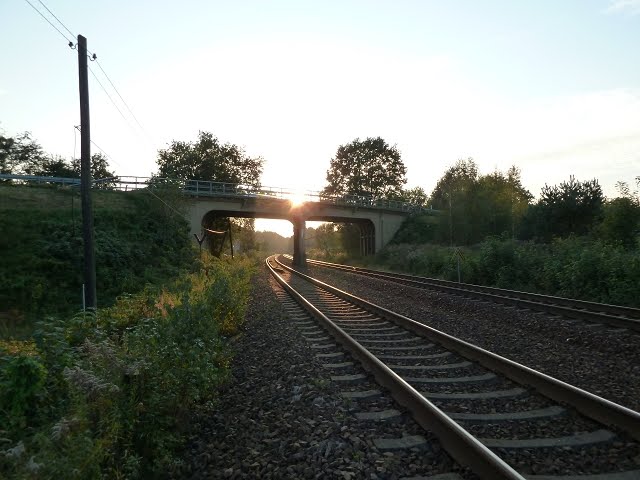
pixel 575 267
pixel 22 380
pixel 137 242
pixel 121 384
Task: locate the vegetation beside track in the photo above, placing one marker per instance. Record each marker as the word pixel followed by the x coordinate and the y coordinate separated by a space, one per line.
pixel 107 394
pixel 139 240
pixel 110 394
pixel 575 267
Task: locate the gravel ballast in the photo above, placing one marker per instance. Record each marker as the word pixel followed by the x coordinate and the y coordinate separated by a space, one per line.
pixel 604 362
pixel 282 416
pixel 584 446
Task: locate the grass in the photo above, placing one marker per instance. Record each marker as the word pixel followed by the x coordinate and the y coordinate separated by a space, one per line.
pixel 138 241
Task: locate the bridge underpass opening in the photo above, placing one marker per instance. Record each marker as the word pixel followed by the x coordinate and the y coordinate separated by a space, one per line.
pixel 355 238
pixel 247 236
pixel 332 236
pixel 326 238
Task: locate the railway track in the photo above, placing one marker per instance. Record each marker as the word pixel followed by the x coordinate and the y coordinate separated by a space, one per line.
pixel 598 313
pixel 500 419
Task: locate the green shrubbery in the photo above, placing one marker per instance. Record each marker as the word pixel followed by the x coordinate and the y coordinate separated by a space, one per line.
pixel 110 394
pixel 575 267
pixel 138 241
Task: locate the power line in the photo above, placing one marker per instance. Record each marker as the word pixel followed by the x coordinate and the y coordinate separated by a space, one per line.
pixel 92 57
pixel 110 98
pixel 49 22
pixel 116 90
pixel 106 154
pixel 116 105
pixel 109 157
pixel 73 35
pixel 169 206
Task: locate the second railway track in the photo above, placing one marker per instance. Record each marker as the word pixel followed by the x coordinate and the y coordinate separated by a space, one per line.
pixel 539 427
pixel 612 315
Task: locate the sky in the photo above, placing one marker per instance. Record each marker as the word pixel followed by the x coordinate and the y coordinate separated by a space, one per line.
pixel 550 86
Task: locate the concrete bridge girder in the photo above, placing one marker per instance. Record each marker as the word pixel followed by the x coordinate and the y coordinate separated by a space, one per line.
pixel 378 226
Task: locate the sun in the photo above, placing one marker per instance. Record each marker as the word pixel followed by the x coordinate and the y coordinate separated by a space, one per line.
pixel 296 199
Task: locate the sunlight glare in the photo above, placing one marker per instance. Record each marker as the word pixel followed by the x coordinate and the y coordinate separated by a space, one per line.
pixel 296 198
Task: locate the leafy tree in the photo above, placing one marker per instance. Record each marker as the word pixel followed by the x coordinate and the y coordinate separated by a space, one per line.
pixel 366 167
pixel 51 167
pixel 350 238
pixel 474 207
pixel 571 208
pixel 325 238
pixel 208 159
pixel 99 167
pixel 453 195
pixel 621 218
pixel 500 203
pixel 414 196
pixel 22 155
pixel 6 160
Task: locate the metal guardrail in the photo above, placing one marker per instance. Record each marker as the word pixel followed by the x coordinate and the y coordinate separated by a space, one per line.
pixel 210 188
pixel 39 179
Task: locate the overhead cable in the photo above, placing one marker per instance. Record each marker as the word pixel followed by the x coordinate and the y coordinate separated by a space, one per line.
pixel 49 22
pixel 73 35
pixel 110 98
pixel 123 101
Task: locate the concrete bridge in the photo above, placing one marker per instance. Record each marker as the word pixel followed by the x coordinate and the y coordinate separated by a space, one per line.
pixel 377 225
pixel 378 218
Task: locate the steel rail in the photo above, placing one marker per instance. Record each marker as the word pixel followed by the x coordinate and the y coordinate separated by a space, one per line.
pixel 592 406
pixel 461 445
pixel 615 315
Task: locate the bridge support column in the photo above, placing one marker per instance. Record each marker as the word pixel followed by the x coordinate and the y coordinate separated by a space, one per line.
pixel 299 253
pixel 367 240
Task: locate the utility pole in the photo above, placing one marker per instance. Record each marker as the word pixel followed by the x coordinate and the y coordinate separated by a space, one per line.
pixel 85 178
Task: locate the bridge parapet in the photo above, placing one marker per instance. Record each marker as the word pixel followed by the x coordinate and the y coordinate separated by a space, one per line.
pixel 206 188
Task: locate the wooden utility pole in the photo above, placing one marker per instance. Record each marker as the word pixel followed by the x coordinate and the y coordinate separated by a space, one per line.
pixel 85 178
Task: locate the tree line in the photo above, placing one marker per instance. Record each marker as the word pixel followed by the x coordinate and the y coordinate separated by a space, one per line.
pixel 22 155
pixel 472 206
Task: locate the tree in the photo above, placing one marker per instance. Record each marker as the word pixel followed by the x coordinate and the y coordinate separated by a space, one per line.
pixel 476 206
pixel 414 196
pixel 22 155
pixel 209 159
pixel 452 195
pixel 99 170
pixel 621 217
pixel 571 208
pixel 500 203
pixel 367 167
pixel 325 238
pixel 53 167
pixel 6 159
